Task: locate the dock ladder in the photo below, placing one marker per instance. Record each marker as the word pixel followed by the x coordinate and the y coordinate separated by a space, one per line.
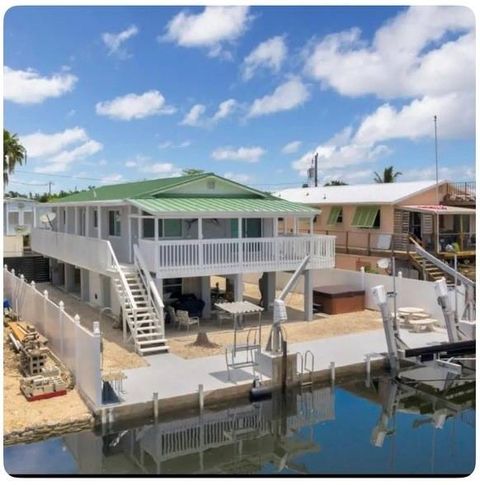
pixel 304 367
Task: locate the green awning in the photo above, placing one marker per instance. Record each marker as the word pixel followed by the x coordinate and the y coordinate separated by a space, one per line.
pixel 333 217
pixel 365 216
pixel 222 206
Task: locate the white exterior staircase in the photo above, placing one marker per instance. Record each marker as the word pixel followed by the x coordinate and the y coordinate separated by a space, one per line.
pixel 142 307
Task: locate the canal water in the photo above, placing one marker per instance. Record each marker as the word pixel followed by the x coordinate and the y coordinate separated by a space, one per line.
pixel 381 427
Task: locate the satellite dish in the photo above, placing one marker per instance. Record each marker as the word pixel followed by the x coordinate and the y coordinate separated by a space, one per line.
pixel 22 230
pixel 383 263
pixel 48 217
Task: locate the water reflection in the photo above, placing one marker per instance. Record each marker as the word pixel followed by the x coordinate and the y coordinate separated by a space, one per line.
pixel 387 426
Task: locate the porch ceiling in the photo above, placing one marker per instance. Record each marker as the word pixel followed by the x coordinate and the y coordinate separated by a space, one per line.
pixel 222 206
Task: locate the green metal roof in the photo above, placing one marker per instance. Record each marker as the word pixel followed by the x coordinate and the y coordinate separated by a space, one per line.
pixel 221 205
pixel 128 190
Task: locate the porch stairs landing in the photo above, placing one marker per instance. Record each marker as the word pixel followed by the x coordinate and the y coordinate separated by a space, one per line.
pixel 142 317
pixel 430 271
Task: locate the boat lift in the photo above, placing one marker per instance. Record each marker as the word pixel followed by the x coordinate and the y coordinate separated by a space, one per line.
pixel 447 355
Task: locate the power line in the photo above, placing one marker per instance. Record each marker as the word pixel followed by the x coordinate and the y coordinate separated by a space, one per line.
pixel 29 183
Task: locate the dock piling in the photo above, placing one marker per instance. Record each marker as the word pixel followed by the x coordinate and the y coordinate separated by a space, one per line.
pixel 200 397
pixel 332 373
pixel 155 406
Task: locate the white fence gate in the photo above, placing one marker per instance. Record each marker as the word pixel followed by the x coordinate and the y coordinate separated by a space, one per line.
pixel 77 347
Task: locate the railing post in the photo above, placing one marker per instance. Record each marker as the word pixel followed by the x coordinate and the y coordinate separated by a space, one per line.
pixel 61 311
pixel 45 304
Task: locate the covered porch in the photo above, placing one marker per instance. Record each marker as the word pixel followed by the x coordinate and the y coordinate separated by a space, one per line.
pixel 444 230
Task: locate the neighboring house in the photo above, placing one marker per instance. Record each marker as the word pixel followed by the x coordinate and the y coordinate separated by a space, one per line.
pixel 132 246
pixel 19 217
pixel 372 220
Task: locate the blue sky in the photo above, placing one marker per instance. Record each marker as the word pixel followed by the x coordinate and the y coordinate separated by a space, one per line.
pixel 112 94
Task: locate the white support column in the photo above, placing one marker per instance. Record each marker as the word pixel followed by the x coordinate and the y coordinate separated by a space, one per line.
pixel 206 296
pixel 77 225
pixel 65 224
pixel 200 254
pixel 129 229
pixel 238 287
pixel 270 290
pixel 275 227
pixel 295 225
pixel 99 222
pixel 308 294
pixel 87 221
pixel 156 249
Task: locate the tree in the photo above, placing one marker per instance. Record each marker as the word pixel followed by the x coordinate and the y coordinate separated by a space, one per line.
pixel 389 176
pixel 334 182
pixel 192 171
pixel 13 154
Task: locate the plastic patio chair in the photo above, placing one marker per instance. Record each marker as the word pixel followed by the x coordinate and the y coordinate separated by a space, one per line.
pixel 184 320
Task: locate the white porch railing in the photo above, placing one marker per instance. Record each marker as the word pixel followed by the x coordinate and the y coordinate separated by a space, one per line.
pixel 87 252
pixel 227 256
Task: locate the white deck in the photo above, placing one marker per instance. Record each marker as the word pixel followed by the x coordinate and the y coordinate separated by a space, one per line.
pixel 193 257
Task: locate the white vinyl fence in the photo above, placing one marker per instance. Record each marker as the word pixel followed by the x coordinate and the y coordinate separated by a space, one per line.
pixel 410 292
pixel 77 347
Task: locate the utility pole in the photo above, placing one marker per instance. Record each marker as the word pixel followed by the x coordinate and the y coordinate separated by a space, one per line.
pixel 436 157
pixel 316 169
pixel 50 188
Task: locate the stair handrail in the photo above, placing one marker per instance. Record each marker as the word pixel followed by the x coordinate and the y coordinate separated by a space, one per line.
pixel 126 288
pixel 441 265
pixel 151 287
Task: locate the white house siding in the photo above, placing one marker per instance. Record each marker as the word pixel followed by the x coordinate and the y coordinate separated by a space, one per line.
pixel 95 289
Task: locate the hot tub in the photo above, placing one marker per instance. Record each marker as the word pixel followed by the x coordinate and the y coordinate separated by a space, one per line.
pixel 339 299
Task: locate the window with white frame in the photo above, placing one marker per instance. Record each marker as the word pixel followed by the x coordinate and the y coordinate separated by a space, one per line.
pixel 114 223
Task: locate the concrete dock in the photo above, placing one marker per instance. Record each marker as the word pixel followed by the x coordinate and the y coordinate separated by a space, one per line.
pixel 176 380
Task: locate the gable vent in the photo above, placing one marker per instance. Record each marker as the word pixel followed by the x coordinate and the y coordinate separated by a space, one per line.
pixel 211 184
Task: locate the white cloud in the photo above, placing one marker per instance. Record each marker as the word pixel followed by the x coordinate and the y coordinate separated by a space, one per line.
pixel 225 109
pixel 114 42
pixel 287 96
pixel 166 169
pixel 195 117
pixel 59 150
pixel 192 118
pixel 134 106
pixel 211 29
pixel 29 87
pixel 458 172
pixel 242 154
pixel 112 178
pixel 410 55
pixel 241 178
pixel 40 144
pixel 169 144
pixel 341 151
pixel 291 147
pixel 455 112
pixel 131 163
pixel 269 54
pixel 78 153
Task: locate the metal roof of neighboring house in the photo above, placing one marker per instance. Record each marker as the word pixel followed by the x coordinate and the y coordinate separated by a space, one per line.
pixel 438 209
pixel 357 194
pixel 221 205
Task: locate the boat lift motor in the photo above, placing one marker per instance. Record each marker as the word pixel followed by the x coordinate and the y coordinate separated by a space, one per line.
pixel 453 330
pixel 395 344
pixel 274 344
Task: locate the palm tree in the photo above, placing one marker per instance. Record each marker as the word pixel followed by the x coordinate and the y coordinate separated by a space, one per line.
pixel 13 154
pixel 389 176
pixel 334 182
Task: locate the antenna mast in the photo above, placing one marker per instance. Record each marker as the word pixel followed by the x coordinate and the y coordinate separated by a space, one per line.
pixel 436 156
